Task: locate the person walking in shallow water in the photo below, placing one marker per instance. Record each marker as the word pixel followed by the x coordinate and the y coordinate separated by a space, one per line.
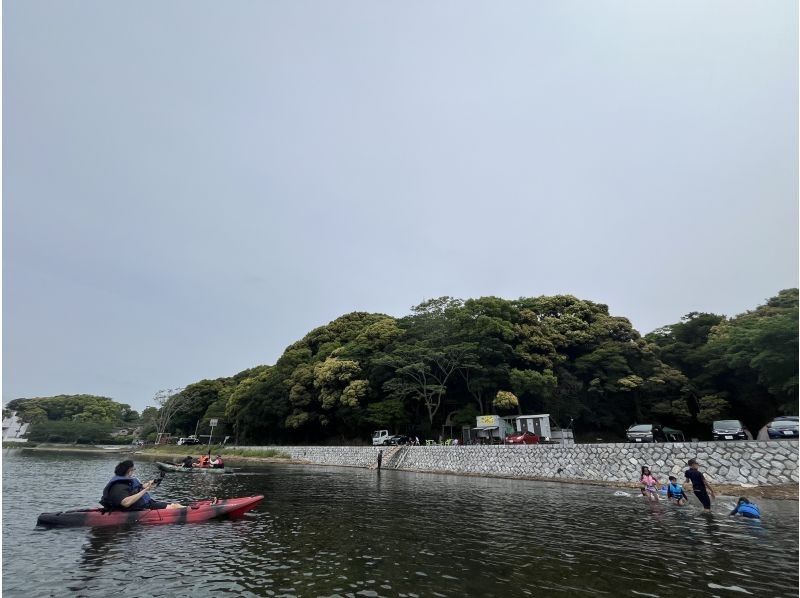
pixel 700 485
pixel 675 493
pixel 649 484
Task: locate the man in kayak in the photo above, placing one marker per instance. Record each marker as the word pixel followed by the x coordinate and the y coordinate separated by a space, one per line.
pixel 125 492
pixel 187 462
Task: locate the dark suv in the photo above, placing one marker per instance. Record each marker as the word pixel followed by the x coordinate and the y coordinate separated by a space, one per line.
pixel 653 433
pixel 783 427
pixel 398 439
pixel 729 429
pixel 642 433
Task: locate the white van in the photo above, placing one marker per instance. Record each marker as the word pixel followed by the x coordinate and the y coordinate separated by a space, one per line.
pixel 379 437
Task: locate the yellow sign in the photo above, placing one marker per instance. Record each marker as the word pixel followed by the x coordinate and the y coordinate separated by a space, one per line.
pixel 487 419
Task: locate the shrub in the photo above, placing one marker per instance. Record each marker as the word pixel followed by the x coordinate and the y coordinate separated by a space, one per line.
pixel 70 431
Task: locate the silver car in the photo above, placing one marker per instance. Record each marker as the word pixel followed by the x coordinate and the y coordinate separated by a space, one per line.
pixel 641 433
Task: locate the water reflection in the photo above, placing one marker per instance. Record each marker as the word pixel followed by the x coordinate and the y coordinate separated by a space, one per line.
pixel 339 531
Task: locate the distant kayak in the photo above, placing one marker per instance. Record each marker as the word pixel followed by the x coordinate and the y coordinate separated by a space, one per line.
pixel 180 469
pixel 199 511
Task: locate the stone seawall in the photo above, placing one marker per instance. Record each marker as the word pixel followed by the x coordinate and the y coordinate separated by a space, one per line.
pixel 746 462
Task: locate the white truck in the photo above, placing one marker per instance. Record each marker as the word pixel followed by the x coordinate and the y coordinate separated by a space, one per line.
pixel 379 437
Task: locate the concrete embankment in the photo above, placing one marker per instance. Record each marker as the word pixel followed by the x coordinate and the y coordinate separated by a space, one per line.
pixel 759 463
pixel 770 466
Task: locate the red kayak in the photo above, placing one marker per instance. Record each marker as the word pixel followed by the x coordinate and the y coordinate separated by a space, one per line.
pixel 199 511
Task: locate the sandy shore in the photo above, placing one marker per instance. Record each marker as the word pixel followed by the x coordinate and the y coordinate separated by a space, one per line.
pixel 777 492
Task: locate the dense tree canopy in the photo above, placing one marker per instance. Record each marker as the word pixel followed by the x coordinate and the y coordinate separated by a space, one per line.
pixel 80 408
pixel 743 367
pixel 450 360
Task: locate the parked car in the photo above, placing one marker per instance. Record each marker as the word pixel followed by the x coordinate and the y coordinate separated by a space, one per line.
pixel 190 440
pixel 783 427
pixel 642 433
pixel 729 429
pixel 398 439
pixel 526 437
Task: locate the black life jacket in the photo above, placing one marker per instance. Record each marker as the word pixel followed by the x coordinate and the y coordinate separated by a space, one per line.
pixel 134 486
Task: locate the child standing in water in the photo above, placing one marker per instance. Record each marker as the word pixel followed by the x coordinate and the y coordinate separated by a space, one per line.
pixel 649 484
pixel 675 493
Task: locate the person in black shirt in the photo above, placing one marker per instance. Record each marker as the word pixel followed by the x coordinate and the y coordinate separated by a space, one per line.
pixel 187 462
pixel 700 486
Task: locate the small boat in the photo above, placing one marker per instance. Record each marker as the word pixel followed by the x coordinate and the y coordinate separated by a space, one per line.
pixel 181 469
pixel 199 511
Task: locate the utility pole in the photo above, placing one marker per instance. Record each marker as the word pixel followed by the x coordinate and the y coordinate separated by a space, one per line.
pixel 213 423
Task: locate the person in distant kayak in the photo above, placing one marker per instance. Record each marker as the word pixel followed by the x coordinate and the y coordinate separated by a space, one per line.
pixel 649 484
pixel 202 461
pixel 124 492
pixel 187 462
pixel 746 509
pixel 675 493
pixel 700 485
pixel 218 463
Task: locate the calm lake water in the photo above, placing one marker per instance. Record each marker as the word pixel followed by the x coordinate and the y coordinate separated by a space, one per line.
pixel 352 532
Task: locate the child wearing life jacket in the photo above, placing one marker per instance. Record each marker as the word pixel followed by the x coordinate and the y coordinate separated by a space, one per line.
pixel 746 509
pixel 675 493
pixel 202 461
pixel 649 484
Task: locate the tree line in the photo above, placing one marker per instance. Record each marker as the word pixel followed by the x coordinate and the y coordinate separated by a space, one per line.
pixel 73 418
pixel 451 360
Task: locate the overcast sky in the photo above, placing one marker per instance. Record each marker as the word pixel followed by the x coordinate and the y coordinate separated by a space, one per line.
pixel 191 186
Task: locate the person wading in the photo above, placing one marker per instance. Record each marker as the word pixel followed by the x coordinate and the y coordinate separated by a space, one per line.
pixel 700 485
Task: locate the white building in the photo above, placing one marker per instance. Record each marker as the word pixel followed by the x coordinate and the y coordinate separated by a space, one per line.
pixel 13 429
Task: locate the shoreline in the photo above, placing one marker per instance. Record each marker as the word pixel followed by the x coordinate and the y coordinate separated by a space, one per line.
pixel 771 492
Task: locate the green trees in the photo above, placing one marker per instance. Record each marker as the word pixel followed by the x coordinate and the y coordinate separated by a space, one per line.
pixel 72 418
pixel 743 367
pixel 763 344
pixel 83 408
pixel 82 432
pixel 450 360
